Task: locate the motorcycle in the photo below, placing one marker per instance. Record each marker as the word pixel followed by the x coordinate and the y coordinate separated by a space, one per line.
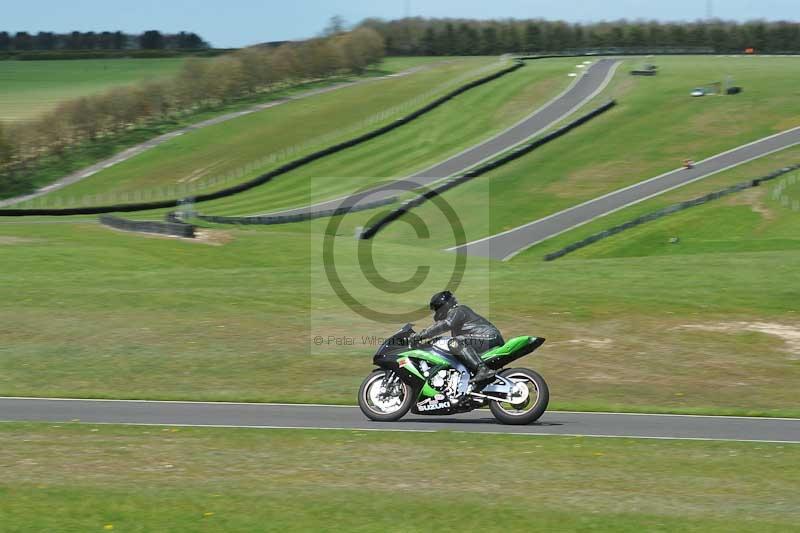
pixel 428 379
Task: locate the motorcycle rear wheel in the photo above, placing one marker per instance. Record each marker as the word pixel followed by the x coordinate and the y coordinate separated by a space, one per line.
pixel 388 408
pixel 533 408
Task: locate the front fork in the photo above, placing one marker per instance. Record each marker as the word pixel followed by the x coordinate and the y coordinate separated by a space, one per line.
pixel 390 380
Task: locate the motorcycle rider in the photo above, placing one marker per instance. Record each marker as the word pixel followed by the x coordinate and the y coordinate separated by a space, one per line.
pixel 471 333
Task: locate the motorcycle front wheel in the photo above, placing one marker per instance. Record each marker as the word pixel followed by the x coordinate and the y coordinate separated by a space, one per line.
pixel 534 406
pixel 384 397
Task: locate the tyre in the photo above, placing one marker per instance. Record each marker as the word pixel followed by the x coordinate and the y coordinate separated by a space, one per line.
pixel 384 402
pixel 535 404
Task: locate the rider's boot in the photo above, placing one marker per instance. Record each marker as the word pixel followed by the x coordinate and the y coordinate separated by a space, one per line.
pixel 480 372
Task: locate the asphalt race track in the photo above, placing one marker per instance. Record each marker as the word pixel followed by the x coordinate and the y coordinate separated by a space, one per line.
pixel 344 417
pixel 587 86
pixel 509 243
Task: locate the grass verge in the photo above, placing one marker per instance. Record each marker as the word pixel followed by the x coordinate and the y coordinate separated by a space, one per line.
pixel 88 311
pixel 83 478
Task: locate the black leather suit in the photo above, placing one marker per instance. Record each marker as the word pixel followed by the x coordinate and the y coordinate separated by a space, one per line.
pixel 470 331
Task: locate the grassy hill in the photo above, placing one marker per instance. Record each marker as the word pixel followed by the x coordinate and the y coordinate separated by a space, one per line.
pixel 28 88
pixel 459 124
pixel 242 148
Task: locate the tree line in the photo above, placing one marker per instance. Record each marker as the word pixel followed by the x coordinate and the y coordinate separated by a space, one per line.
pixel 201 84
pixel 421 36
pixel 150 40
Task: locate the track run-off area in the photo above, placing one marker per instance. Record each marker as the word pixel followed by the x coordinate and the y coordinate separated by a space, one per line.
pixel 340 417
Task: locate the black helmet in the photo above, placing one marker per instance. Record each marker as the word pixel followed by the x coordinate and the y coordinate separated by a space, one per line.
pixel 441 303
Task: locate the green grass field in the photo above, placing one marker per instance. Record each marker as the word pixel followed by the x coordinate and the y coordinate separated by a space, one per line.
pixel 29 88
pixel 709 325
pixel 70 477
pixel 88 311
pixel 245 147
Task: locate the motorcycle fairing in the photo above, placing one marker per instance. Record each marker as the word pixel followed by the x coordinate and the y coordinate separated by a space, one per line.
pixel 515 348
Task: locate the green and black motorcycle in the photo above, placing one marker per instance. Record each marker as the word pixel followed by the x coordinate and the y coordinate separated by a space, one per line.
pixel 428 380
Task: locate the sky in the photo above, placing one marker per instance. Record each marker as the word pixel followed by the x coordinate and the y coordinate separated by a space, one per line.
pixel 235 23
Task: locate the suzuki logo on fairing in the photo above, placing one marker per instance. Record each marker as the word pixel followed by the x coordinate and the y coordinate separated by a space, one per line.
pixel 433 406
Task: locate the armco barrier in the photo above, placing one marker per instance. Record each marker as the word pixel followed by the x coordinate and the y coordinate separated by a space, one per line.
pixel 148 226
pixel 674 208
pixel 515 153
pixel 299 217
pixel 264 178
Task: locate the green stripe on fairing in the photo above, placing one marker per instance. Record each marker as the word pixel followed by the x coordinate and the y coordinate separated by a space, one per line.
pixel 427 390
pixel 427 356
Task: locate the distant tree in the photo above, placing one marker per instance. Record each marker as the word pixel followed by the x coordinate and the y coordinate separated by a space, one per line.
pixel 593 38
pixel 449 38
pixel 733 39
pixel 509 38
pixel 83 117
pixel 105 41
pixel 151 40
pixel 321 57
pixel 718 37
pixel 560 37
pixel 226 78
pixel 88 40
pixel 5 41
pixel 656 35
pixel 120 40
pixel 45 40
pixel 533 37
pixel 23 41
pixel 464 43
pixel 756 33
pixel 285 63
pixel 189 41
pixel 6 148
pixel 457 36
pixel 637 36
pixel 489 44
pixel 192 84
pixel 677 35
pixel 158 94
pixel 781 36
pixel 578 36
pixel 73 41
pixel 428 43
pixel 257 68
pixel 361 48
pixel 336 25
pixel 697 36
